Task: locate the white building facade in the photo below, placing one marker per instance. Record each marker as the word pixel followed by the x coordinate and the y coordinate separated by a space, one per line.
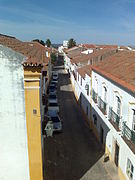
pixel 14 163
pixel 113 120
pixel 110 110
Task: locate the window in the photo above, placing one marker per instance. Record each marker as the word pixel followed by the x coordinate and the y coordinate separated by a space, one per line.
pixel 133 119
pixel 130 169
pixel 34 111
pixel 87 90
pixel 105 94
pixel 81 81
pixel 118 106
pixel 95 119
pixel 96 86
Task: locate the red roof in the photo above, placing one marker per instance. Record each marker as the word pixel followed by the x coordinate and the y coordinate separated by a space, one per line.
pixel 84 70
pixel 31 50
pixel 119 68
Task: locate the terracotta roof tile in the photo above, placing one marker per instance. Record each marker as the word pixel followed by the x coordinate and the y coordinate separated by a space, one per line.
pixel 28 49
pixel 85 70
pixel 87 57
pixel 120 68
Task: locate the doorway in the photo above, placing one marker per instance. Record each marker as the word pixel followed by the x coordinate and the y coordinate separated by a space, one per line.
pixel 116 157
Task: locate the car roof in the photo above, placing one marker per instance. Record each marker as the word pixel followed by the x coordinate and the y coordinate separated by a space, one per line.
pixel 52 113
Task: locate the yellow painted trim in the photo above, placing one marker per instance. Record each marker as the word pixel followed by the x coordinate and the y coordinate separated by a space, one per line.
pixel 132 103
pixel 77 98
pixel 107 151
pixel 33 121
pixel 31 87
pixel 121 175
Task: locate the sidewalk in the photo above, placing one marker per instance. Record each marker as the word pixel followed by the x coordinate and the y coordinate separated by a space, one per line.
pixel 110 169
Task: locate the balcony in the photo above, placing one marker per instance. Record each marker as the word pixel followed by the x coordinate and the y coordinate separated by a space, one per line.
pixel 127 133
pixel 94 96
pixel 114 119
pixel 102 105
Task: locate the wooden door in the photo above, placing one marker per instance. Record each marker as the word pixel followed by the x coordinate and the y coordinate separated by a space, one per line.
pixel 116 158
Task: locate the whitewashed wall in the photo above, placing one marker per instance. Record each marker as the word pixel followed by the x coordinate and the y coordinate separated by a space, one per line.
pixel 13 134
pixel 81 91
pixel 126 96
pixel 110 134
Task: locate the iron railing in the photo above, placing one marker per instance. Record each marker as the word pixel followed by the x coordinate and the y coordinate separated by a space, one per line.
pixel 94 96
pixel 128 133
pixel 114 117
pixel 102 105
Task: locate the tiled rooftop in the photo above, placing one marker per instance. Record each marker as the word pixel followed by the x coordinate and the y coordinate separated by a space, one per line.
pixel 120 68
pixel 84 70
pixel 87 57
pixel 32 50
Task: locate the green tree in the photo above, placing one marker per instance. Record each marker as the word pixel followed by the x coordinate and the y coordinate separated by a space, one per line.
pixel 40 41
pixel 71 43
pixel 53 57
pixel 48 43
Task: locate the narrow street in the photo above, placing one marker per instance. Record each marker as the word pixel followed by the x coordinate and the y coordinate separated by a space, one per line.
pixel 75 153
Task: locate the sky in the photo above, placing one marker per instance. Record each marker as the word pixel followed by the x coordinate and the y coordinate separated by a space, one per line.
pixel 87 21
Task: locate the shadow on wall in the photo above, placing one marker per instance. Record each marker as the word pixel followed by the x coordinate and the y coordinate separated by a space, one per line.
pixel 98 126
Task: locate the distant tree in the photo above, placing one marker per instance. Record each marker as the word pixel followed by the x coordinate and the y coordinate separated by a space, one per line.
pixel 42 42
pixel 53 57
pixel 71 43
pixel 48 43
pixel 39 41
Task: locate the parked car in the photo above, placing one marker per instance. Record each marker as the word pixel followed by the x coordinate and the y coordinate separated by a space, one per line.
pixel 53 106
pixel 52 98
pixel 54 81
pixel 51 113
pixel 52 88
pixel 52 93
pixel 55 76
pixel 53 84
pixel 57 122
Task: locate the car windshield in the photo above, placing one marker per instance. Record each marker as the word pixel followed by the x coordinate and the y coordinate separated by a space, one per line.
pixel 53 104
pixel 55 119
pixel 52 96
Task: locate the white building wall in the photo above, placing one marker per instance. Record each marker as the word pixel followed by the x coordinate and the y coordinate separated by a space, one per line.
pixel 81 91
pixel 112 90
pixel 110 134
pixel 13 134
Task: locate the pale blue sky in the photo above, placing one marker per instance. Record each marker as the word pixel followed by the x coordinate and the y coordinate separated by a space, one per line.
pixel 89 21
